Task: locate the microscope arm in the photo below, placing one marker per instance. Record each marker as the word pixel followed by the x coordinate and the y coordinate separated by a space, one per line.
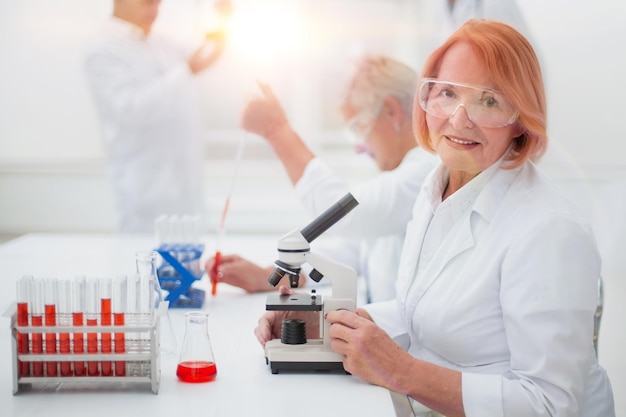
pixel 341 277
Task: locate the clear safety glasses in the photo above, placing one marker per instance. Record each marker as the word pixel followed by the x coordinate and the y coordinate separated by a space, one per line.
pixel 484 107
pixel 361 124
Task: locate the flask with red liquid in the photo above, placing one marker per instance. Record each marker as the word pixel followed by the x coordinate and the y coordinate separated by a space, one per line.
pixel 197 363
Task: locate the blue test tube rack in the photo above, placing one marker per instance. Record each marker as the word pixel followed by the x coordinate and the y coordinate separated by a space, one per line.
pixel 177 279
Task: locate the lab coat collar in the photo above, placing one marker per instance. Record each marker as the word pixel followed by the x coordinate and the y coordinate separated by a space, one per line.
pixel 475 193
pixel 124 28
pixel 482 196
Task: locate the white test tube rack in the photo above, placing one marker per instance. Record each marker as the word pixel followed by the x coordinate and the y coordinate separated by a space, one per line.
pixel 141 355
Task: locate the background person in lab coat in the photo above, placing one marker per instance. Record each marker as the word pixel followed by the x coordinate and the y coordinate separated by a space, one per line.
pixel 437 19
pixel 498 278
pixel 142 86
pixel 377 109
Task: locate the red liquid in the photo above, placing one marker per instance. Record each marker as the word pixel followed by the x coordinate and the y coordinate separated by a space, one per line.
pixel 214 277
pixel 22 338
pixel 105 320
pixel 92 347
pixel 196 371
pixel 79 344
pixel 120 344
pixel 64 348
pixel 37 321
pixel 51 338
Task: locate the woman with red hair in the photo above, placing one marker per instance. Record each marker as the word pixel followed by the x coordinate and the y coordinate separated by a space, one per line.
pixel 498 278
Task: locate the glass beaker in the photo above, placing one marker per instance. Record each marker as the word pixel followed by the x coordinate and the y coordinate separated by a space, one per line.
pixel 196 363
pixel 150 296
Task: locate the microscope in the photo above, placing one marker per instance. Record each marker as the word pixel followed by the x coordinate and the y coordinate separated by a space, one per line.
pixel 293 351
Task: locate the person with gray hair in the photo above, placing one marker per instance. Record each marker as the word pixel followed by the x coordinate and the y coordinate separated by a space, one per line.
pixel 376 108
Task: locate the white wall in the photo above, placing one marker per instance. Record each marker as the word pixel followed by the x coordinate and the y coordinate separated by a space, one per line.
pixel 51 158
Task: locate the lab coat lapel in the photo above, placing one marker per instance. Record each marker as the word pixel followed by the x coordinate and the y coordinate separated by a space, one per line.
pixel 456 242
pixel 466 232
pixel 416 230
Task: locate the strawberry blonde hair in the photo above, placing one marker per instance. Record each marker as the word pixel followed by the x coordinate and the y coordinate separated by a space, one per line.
pixel 510 60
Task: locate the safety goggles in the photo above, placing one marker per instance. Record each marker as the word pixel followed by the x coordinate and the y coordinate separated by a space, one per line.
pixel 484 107
pixel 361 124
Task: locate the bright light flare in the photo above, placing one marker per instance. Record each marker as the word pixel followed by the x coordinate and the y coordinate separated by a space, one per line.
pixel 268 35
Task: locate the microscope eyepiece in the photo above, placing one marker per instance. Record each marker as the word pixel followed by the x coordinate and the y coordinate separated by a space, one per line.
pixel 328 218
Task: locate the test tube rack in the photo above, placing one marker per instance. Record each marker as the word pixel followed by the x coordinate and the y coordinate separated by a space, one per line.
pixel 141 357
pixel 177 273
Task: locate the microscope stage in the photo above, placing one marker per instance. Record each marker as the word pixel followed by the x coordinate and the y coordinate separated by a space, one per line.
pixel 294 302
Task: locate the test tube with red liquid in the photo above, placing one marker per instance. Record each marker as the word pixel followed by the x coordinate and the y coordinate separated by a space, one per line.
pixel 23 340
pixel 78 308
pixel 36 320
pixel 214 273
pixel 92 303
pixel 65 320
pixel 119 308
pixel 106 345
pixel 50 308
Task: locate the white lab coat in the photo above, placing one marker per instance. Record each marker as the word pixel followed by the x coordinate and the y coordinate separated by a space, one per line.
pixel 372 234
pixel 499 281
pixel 150 121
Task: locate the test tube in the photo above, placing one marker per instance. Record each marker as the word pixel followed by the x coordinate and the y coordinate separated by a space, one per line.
pixel 78 308
pixel 65 319
pixel 131 319
pixel 91 308
pixel 105 320
pixel 23 300
pixel 119 308
pixel 50 308
pixel 36 320
pixel 146 271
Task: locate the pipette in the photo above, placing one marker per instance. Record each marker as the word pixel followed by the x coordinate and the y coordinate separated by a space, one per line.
pixel 220 230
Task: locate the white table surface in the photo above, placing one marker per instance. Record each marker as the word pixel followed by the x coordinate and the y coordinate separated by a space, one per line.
pixel 244 385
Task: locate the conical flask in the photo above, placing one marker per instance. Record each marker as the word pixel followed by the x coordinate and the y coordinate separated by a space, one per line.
pixel 196 363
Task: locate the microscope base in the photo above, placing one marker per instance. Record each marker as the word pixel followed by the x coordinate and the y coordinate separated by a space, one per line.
pixel 311 356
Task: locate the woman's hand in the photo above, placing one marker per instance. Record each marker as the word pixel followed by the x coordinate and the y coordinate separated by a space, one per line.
pixel 240 272
pixel 368 351
pixel 270 323
pixel 264 115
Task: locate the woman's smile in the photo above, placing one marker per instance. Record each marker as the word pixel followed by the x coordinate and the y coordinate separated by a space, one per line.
pixel 461 141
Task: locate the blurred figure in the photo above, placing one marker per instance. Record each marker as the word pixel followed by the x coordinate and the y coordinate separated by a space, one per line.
pixel 143 89
pixel 439 18
pixel 377 109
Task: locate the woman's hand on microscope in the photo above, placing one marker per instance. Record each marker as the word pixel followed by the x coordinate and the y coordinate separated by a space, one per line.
pixel 368 351
pixel 242 273
pixel 270 323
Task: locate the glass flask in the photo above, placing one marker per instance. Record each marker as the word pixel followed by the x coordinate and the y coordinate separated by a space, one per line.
pixel 196 363
pixel 150 296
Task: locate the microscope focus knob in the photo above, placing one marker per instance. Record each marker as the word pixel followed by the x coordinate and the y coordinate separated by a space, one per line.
pixel 316 275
